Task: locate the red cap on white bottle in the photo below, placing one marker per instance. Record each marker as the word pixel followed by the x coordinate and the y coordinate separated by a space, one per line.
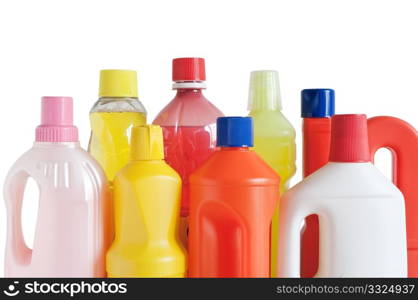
pixel 349 139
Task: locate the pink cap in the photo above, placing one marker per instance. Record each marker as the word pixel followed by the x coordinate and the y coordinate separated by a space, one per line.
pixel 57 121
pixel 349 140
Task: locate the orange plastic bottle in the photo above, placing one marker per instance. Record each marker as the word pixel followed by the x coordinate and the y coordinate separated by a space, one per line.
pixel 402 140
pixel 233 197
pixel 317 110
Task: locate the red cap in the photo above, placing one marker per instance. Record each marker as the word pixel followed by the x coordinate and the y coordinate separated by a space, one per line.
pixel 349 140
pixel 189 69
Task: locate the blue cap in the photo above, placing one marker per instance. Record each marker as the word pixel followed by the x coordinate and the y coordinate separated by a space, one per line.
pixel 234 132
pixel 318 103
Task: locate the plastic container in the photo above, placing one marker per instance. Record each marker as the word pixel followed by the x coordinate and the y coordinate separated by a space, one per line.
pixel 189 126
pixel 318 106
pixel 112 117
pixel 233 197
pixel 147 213
pixel 274 136
pixel 402 140
pixel 73 227
pixel 361 213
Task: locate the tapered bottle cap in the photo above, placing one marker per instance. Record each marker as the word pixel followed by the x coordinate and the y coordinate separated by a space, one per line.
pixel 147 143
pixel 349 139
pixel 264 91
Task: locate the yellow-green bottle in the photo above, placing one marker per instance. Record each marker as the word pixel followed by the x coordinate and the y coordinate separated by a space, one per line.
pixel 147 212
pixel 274 136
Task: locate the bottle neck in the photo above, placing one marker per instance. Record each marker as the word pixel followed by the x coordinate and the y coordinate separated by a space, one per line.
pixel 56 144
pixel 187 91
pixel 235 148
pixel 189 85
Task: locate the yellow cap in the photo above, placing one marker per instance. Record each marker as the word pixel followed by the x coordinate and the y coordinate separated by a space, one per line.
pixel 118 83
pixel 147 143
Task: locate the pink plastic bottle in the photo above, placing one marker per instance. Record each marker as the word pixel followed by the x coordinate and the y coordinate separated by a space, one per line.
pixel 73 227
pixel 189 126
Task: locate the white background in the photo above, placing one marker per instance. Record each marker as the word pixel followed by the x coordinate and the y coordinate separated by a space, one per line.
pixel 366 50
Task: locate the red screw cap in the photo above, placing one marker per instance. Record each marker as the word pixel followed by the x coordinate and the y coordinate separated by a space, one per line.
pixel 189 69
pixel 349 140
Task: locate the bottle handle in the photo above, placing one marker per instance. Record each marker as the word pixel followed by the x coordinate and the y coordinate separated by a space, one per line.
pixel 292 215
pixel 402 140
pixel 17 252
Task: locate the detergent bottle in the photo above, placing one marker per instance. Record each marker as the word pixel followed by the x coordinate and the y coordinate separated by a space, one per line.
pixel 147 212
pixel 233 197
pixel 402 140
pixel 189 126
pixel 274 136
pixel 112 118
pixel 73 227
pixel 318 106
pixel 362 230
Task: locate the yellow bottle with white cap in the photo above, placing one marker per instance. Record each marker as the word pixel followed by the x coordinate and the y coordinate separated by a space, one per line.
pixel 112 118
pixel 147 212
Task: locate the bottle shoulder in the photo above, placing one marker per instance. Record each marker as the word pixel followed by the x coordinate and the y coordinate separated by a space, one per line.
pixel 135 170
pixel 271 123
pixel 192 110
pixel 118 105
pixel 236 168
pixel 70 154
pixel 342 180
pixel 57 166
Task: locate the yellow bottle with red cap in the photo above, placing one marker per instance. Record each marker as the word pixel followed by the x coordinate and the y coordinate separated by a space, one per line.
pixel 147 212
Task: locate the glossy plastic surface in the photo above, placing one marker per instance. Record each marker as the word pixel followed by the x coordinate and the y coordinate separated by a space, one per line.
pixel 317 103
pixel 147 213
pixel 402 140
pixel 316 144
pixel 274 141
pixel 384 132
pixel 234 195
pixel 274 136
pixel 189 128
pixel 111 121
pixel 361 218
pixel 73 228
pixel 234 132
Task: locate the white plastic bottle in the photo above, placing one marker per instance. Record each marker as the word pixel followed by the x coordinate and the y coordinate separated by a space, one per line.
pixel 73 228
pixel 361 213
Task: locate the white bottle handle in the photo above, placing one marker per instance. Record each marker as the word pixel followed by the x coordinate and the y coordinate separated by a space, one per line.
pixel 17 252
pixel 291 220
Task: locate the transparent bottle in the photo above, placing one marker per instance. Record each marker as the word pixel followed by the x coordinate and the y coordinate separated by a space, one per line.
pixel 189 126
pixel 112 118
